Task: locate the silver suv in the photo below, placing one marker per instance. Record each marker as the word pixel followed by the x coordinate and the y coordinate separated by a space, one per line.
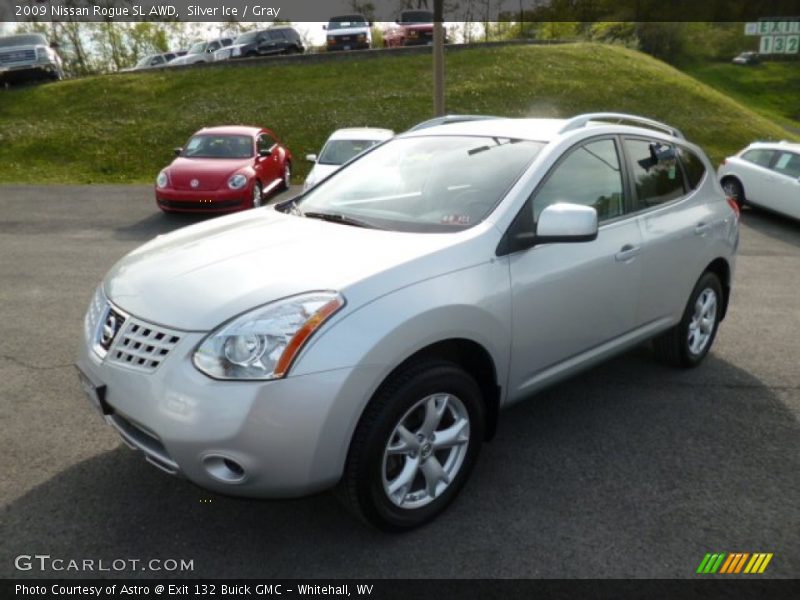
pixel 28 56
pixel 366 334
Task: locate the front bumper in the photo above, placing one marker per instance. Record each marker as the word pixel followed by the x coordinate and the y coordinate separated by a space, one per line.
pixel 288 437
pixel 28 71
pixel 350 44
pixel 171 200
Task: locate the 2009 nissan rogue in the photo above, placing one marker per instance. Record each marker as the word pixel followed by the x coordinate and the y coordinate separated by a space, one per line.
pixel 365 334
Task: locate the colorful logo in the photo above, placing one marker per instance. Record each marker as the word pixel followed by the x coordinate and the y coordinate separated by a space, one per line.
pixel 734 563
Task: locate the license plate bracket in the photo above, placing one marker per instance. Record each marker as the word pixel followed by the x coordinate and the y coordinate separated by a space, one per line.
pixel 96 393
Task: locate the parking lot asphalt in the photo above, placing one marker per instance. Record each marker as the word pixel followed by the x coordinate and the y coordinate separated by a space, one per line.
pixel 632 469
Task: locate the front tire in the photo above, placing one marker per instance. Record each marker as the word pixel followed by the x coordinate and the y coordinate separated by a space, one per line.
pixel 687 344
pixel 734 189
pixel 414 446
pixel 257 195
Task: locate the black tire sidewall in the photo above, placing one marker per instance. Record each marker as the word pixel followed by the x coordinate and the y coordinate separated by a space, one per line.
pixel 439 378
pixel 257 185
pixel 708 280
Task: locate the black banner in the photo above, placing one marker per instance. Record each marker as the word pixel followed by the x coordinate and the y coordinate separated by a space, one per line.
pixel 388 10
pixel 737 587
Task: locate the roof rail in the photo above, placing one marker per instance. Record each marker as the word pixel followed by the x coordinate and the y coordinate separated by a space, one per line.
pixel 582 120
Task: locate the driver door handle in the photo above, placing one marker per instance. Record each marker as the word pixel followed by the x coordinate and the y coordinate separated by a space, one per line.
pixel 627 253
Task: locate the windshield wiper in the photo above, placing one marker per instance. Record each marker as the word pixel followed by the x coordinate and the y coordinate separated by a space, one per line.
pixel 339 218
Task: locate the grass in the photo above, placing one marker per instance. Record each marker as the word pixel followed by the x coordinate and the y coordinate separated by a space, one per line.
pixel 772 88
pixel 122 128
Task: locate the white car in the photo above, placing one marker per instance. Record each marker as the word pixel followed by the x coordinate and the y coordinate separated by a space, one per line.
pixel 765 174
pixel 342 146
pixel 201 52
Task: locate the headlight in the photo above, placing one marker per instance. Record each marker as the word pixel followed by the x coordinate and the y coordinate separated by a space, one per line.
pixel 263 343
pixel 237 182
pixel 308 184
pixel 162 180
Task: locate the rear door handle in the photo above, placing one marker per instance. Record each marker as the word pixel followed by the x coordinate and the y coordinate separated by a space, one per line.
pixel 627 253
pixel 702 228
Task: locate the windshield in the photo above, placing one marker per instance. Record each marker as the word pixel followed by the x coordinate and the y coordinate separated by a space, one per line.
pixel 424 184
pixel 197 48
pixel 246 38
pixel 338 152
pixel 23 40
pixel 219 146
pixel 347 22
pixel 416 16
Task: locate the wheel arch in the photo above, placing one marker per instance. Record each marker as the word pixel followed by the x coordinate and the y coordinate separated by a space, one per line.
pixel 476 360
pixel 737 179
pixel 722 269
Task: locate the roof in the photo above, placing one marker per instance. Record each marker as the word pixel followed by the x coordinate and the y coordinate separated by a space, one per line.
pixel 232 130
pixel 782 145
pixel 546 130
pixel 361 133
pixel 542 130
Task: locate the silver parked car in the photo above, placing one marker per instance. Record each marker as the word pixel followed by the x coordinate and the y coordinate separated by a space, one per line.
pixel 366 333
pixel 765 174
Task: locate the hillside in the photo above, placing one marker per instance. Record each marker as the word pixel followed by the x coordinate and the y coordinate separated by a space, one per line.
pixel 122 128
pixel 771 88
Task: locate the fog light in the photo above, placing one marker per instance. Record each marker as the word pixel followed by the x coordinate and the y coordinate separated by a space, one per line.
pixel 223 468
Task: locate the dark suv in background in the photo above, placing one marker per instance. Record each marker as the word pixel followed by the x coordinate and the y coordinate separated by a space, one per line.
pixel 276 40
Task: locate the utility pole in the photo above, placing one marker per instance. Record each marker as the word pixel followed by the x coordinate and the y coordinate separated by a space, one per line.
pixel 438 58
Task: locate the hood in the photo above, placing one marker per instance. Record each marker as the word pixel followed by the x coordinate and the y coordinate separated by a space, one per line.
pixel 196 278
pixel 210 173
pixel 320 172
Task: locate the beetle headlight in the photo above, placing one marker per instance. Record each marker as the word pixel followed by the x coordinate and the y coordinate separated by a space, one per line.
pixel 162 180
pixel 237 182
pixel 262 343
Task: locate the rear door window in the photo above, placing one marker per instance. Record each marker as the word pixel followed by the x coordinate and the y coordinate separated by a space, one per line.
pixel 656 174
pixel 693 167
pixel 788 163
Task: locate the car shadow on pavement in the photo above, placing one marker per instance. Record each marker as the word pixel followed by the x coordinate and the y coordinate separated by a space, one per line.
pixel 772 225
pixel 159 223
pixel 632 469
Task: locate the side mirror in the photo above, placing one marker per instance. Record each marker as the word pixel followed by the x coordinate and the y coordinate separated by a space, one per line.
pixel 564 223
pixel 311 158
pixel 264 153
pixel 55 45
pixel 178 151
pixel 325 27
pixel 397 21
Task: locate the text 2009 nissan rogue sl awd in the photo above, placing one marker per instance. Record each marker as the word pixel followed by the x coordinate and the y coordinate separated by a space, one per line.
pixel 365 334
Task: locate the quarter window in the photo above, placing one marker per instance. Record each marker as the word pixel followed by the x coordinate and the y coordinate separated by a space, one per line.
pixel 693 167
pixel 788 163
pixel 760 156
pixel 655 171
pixel 590 175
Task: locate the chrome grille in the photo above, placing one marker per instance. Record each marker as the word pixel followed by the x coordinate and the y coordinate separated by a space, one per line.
pixel 142 346
pixel 17 56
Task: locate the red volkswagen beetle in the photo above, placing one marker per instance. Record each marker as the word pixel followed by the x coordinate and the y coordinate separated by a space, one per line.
pixel 224 169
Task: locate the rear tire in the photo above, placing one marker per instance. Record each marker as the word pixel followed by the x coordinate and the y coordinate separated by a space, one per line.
pixel 414 447
pixel 688 343
pixel 287 175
